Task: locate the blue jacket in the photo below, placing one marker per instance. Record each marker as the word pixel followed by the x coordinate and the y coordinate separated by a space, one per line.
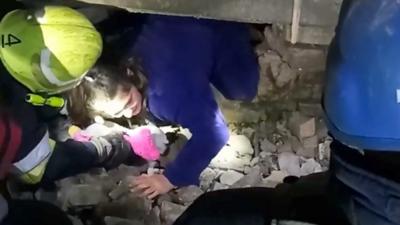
pixel 182 57
pixel 362 96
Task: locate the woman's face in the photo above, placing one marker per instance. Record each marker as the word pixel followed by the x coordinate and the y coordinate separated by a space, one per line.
pixel 127 103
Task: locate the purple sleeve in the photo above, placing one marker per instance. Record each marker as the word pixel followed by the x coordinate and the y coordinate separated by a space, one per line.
pixel 209 135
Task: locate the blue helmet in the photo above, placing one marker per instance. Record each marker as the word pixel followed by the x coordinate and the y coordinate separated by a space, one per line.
pixel 362 94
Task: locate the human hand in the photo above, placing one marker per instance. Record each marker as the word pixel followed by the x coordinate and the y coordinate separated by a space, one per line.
pixel 151 186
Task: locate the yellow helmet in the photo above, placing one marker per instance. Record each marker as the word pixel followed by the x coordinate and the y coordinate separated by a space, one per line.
pixel 48 50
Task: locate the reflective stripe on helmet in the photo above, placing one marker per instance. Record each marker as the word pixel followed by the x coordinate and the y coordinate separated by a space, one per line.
pixel 45 56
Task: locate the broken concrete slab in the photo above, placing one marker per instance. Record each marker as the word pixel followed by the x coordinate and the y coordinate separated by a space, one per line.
pixel 169 212
pixel 314 13
pixel 230 177
pixel 253 178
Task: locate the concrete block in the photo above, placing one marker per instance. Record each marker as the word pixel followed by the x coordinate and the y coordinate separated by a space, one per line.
pixel 302 126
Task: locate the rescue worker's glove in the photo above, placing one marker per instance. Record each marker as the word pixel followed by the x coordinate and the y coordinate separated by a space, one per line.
pixel 112 149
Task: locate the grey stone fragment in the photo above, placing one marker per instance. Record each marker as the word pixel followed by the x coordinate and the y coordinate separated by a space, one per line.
pixel 84 195
pixel 230 177
pixel 188 194
pixel 253 178
pixel 170 212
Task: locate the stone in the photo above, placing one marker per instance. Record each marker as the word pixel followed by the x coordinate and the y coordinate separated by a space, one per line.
pixel 84 195
pixel 290 163
pixel 309 147
pixel 275 178
pixel 241 144
pixel 302 126
pixel 310 166
pixel 169 212
pixel 285 76
pixel 286 147
pixel 188 194
pixel 307 152
pixel 123 171
pixel 267 146
pixel 265 165
pixel 121 189
pixel 109 220
pixel 229 158
pixel 322 130
pixel 254 161
pixel 251 179
pixel 311 109
pixel 207 178
pixel 131 206
pixel 310 143
pixel 324 150
pixel 247 169
pixel 264 154
pixel 230 177
pixel 219 186
pixel 248 132
pixel 154 217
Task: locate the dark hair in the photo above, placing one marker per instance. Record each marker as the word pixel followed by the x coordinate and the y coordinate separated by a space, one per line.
pixel 105 77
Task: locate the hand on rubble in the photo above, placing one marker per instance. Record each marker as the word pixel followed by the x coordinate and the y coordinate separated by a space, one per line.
pixel 151 186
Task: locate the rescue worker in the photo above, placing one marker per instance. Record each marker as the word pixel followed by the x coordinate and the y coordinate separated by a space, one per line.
pixel 45 52
pixel 362 106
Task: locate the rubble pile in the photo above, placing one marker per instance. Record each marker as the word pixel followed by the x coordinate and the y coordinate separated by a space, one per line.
pixel 260 155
